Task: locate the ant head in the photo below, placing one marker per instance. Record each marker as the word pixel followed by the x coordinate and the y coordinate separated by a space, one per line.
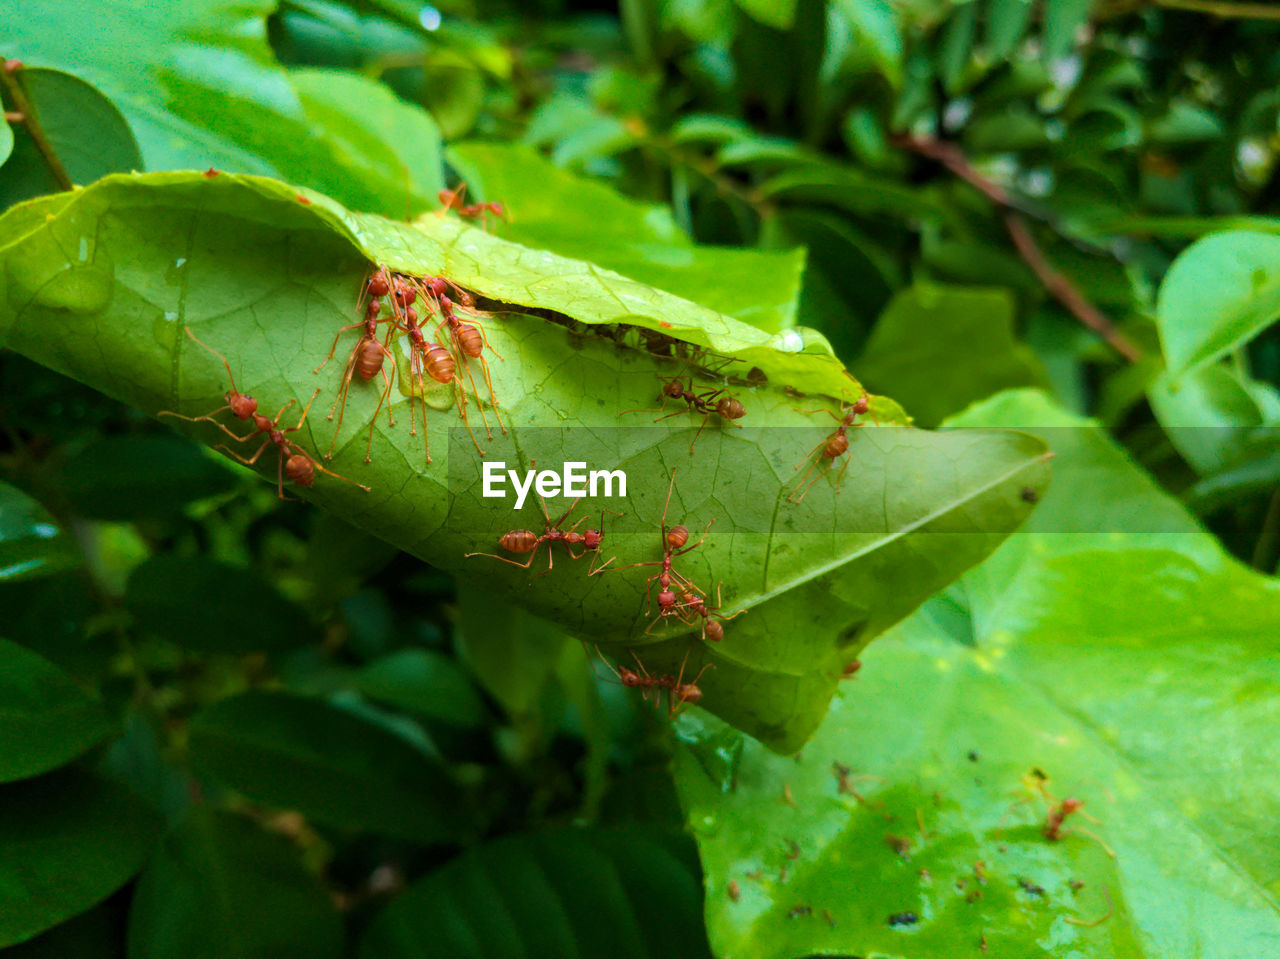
pixel 404 294
pixel 1071 805
pixel 713 631
pixel 677 536
pixel 242 406
pixel 591 539
pixel 862 404
pixel 629 677
pixel 666 599
pixel 379 285
pixel 851 668
pixel 437 286
pixel 838 445
pixel 672 388
pixel 299 468
pixel 730 408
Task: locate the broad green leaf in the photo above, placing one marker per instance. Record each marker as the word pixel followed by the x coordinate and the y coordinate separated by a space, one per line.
pixel 779 14
pixel 67 841
pixel 269 276
pixel 573 216
pixel 1134 669
pixel 1006 23
pixel 967 332
pixel 876 27
pixel 83 128
pixel 511 653
pixel 135 476
pixel 208 607
pixel 1210 416
pixel 219 879
pixel 239 109
pixel 329 765
pixel 1062 19
pixel 1219 294
pixel 31 544
pixel 45 718
pixel 629 893
pixel 423 683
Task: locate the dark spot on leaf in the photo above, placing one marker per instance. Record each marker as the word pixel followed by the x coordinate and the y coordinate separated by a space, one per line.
pixel 800 909
pixel 903 919
pixel 1029 887
pixel 973 755
pixel 1029 495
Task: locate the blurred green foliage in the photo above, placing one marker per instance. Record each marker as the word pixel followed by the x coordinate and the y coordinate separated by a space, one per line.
pixel 228 719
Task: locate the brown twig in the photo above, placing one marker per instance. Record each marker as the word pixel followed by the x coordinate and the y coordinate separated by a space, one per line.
pixel 28 119
pixel 1057 284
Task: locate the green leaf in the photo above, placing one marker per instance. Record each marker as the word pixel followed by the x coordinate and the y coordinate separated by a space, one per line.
pixel 31 544
pixel 1210 417
pixel 967 332
pixel 627 893
pixel 1219 294
pixel 511 653
pixel 218 878
pixel 779 14
pixel 6 138
pixel 138 476
pixel 424 683
pixel 552 209
pixel 1006 23
pixel 238 110
pixel 1062 20
pixel 841 567
pixel 329 765
pixel 69 840
pixel 83 128
pixel 46 719
pixel 1132 668
pixel 878 30
pixel 205 606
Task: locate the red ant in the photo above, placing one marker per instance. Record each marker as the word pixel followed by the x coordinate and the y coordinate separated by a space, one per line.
pixel 452 200
pixel 424 357
pixel 678 691
pixel 708 402
pixel 835 445
pixel 366 359
pixel 674 542
pixel 1054 826
pixel 295 462
pixel 692 606
pixel 470 341
pixel 527 541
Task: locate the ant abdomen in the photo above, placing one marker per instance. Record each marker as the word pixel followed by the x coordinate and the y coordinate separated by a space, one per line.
pixel 300 469
pixel 369 360
pixel 519 540
pixel 439 362
pixel 837 445
pixel 731 409
pixel 677 536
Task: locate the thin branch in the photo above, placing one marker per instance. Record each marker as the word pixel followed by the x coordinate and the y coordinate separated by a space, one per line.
pixel 1217 8
pixel 27 117
pixel 1056 283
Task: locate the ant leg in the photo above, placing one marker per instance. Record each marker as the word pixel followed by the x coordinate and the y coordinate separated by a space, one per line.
pixel 341 400
pixel 503 558
pixel 493 398
pixel 1080 830
pixel 840 476
pixel 196 419
pixel 333 349
pixel 835 416
pixel 299 451
pixel 246 461
pixel 210 349
pixel 305 410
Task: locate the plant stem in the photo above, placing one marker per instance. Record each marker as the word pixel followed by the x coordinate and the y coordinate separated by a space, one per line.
pixel 1218 8
pixel 1057 284
pixel 28 119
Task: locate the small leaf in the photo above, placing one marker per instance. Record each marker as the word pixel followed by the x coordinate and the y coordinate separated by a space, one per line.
pixel 628 893
pixel 208 607
pixel 83 128
pixel 219 879
pixel 779 14
pixel 1219 294
pixel 424 683
pixel 1006 23
pixel 1209 415
pixel 31 544
pixel 329 765
pixel 46 720
pixel 877 28
pixel 1062 20
pixel 70 840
